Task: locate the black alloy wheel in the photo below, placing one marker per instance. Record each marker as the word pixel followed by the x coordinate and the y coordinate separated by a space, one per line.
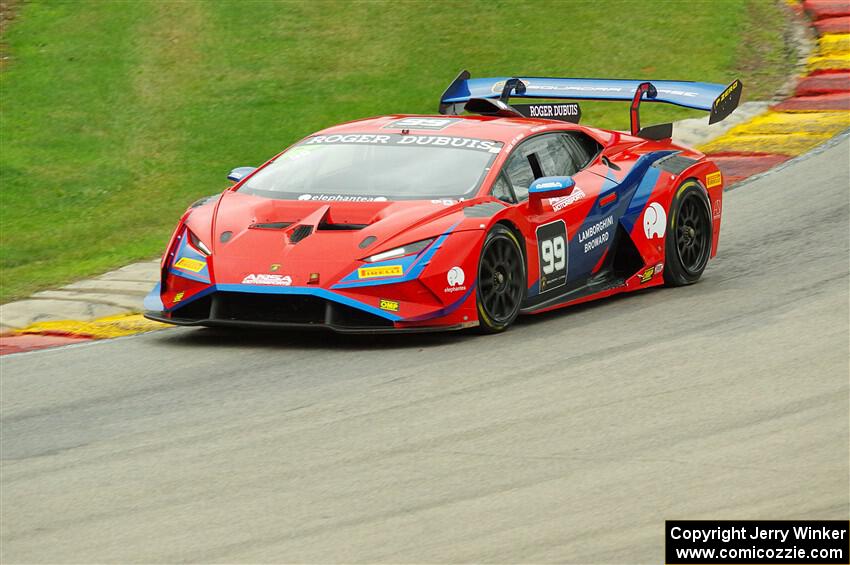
pixel 501 280
pixel 689 235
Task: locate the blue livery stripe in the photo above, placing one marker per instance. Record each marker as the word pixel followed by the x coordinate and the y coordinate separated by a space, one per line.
pixel 413 266
pixel 299 290
pixel 184 250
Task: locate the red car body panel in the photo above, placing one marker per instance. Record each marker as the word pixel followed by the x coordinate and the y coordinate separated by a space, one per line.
pixel 327 264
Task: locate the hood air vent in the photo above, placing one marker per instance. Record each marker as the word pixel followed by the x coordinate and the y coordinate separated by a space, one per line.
pixel 300 233
pixel 270 226
pixel 340 227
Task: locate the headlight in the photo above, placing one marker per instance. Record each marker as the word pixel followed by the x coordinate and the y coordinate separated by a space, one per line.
pixel 198 244
pixel 408 249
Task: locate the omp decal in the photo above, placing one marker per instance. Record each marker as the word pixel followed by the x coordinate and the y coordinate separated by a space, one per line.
pixel 178 297
pixel 552 251
pixel 713 179
pixel 390 305
pixel 385 271
pixel 646 276
pixel 190 264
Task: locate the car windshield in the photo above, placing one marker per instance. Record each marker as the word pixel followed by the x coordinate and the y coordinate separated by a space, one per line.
pixel 366 167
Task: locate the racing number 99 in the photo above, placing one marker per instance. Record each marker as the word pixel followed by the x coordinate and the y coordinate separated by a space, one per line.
pixel 552 249
pixel 554 254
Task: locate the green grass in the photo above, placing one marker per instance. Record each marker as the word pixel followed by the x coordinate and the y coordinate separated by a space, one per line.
pixel 116 115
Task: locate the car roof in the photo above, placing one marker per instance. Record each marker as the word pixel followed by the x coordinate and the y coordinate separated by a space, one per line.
pixel 480 127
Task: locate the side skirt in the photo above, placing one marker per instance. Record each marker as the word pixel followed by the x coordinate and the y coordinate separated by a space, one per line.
pixel 622 261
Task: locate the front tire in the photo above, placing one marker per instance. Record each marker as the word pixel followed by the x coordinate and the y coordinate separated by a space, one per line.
pixel 501 280
pixel 689 235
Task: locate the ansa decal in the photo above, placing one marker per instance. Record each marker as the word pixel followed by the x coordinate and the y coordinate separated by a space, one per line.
pixel 273 280
pixel 384 271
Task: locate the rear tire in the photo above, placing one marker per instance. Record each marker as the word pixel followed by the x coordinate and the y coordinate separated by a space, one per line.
pixel 689 235
pixel 501 280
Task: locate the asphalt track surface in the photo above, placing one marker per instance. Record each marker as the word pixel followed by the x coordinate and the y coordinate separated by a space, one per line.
pixel 570 438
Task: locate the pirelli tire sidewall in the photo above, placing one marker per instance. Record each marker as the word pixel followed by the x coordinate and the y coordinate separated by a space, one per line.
pixel 488 323
pixel 675 273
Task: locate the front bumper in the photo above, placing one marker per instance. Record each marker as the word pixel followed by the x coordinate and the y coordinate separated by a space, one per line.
pixel 286 307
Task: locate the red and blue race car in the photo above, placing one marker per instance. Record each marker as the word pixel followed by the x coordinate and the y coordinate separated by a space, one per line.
pixel 418 223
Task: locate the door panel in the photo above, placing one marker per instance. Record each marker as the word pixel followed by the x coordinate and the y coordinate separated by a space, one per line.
pixel 572 232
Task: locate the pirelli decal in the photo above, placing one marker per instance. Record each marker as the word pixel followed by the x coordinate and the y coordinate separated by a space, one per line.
pixel 383 271
pixel 189 264
pixel 713 179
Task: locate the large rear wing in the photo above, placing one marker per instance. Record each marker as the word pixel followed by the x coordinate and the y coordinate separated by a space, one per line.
pixel 717 99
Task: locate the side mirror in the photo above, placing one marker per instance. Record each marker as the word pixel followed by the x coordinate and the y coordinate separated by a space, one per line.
pixel 548 187
pixel 240 173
